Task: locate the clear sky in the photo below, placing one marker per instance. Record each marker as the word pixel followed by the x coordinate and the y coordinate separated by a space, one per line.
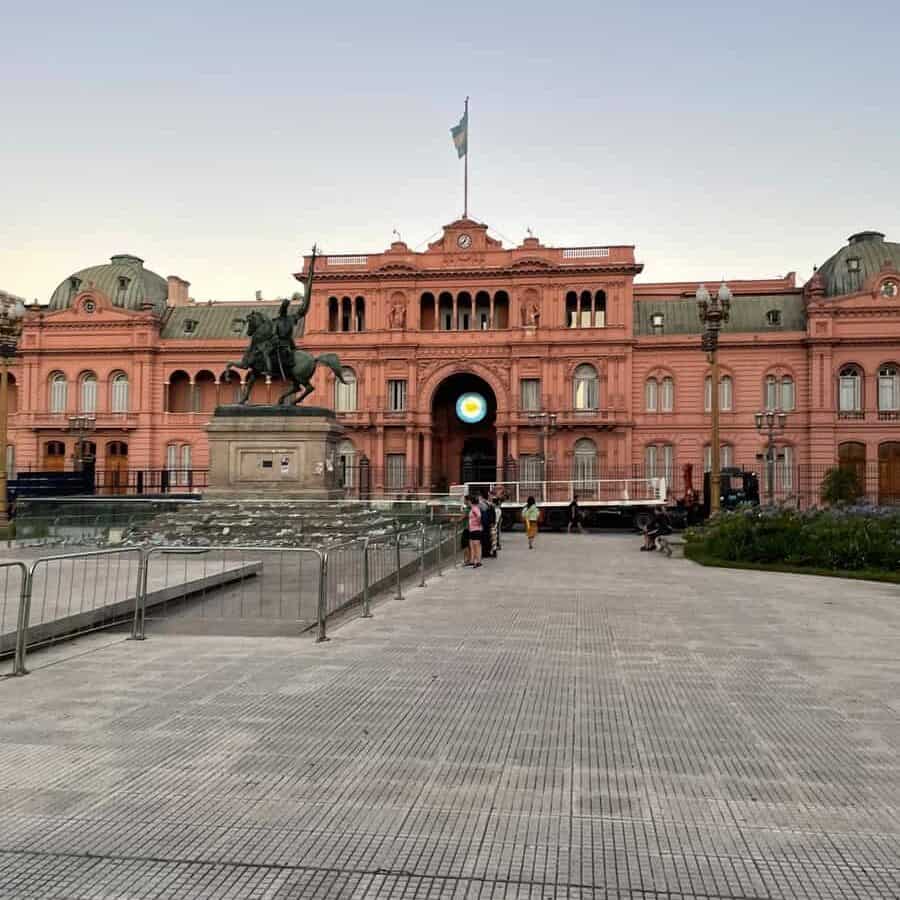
pixel 218 141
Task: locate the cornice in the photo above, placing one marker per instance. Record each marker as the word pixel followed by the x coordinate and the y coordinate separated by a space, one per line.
pixel 510 271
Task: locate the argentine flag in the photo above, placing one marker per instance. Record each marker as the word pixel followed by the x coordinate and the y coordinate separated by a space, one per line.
pixel 460 135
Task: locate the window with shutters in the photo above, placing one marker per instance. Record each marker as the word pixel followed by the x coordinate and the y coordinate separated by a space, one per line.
pixel 396 471
pixel 88 393
pixel 667 399
pixel 119 393
pixel 651 395
pixel 345 392
pixel 586 388
pixel 397 395
pixel 59 389
pixel 531 394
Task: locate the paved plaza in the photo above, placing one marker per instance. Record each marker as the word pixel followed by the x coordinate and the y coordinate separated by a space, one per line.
pixel 579 721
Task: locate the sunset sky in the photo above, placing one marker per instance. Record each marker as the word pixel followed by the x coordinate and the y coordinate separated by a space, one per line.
pixel 219 143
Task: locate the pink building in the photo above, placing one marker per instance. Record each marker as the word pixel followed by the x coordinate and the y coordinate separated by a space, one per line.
pixel 572 357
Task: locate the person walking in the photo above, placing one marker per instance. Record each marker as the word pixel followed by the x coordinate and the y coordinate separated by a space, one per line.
pixel 531 515
pixel 498 522
pixel 466 543
pixel 575 515
pixel 475 529
pixel 487 526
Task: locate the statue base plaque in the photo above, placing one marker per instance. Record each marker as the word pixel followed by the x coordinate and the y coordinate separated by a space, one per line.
pixel 274 452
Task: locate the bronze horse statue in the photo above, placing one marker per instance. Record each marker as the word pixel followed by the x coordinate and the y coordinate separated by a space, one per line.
pixel 265 357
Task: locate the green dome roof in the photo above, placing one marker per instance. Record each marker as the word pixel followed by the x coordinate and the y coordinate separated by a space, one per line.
pixel 123 279
pixel 851 267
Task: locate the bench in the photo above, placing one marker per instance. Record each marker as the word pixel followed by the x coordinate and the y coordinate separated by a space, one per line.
pixel 670 544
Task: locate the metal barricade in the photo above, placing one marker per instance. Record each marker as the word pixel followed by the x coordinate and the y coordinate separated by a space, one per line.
pixel 230 590
pixel 13 581
pixel 74 593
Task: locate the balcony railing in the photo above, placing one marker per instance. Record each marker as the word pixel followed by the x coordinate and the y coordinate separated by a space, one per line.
pixel 851 414
pixel 347 260
pixel 889 415
pixel 60 421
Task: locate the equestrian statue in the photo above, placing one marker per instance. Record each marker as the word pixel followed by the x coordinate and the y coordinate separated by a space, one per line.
pixel 272 350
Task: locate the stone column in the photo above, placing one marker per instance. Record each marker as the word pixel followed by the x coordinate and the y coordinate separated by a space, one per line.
pixel 410 457
pixel 378 462
pixel 454 322
pixel 499 462
pixel 426 462
pixel 491 313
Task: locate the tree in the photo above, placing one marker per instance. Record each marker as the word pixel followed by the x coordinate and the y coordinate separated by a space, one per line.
pixel 841 485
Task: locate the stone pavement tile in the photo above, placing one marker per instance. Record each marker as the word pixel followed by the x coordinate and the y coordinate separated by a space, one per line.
pixel 558 724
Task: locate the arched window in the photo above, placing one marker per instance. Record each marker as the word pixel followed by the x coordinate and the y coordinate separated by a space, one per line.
pixel 345 392
pixel 333 313
pixel 180 393
pixel 778 393
pixel 186 459
pixel 571 310
pixel 118 400
pixel 347 463
pixel 359 314
pixel 59 389
pixel 587 387
pixel 172 457
pixel 88 393
pixel 600 309
pixel 667 399
pixel 850 389
pixel 585 468
pixel 651 395
pixel 888 388
pixel 346 314
pixel 707 393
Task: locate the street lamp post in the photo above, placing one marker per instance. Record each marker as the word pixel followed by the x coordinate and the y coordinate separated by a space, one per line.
pixel 769 423
pixel 548 420
pixel 81 426
pixel 714 312
pixel 11 311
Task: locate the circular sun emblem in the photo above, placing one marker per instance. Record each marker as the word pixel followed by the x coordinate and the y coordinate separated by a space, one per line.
pixel 471 408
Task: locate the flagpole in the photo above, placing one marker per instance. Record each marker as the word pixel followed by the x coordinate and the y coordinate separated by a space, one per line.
pixel 466 167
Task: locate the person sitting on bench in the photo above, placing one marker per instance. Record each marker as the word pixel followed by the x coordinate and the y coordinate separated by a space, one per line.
pixel 658 526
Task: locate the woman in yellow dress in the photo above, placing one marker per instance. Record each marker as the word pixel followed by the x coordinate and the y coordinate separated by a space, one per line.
pixel 531 515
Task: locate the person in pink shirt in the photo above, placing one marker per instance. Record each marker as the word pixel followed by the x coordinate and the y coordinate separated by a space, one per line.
pixel 474 533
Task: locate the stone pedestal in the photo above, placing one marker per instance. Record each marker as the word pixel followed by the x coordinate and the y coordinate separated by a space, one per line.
pixel 274 452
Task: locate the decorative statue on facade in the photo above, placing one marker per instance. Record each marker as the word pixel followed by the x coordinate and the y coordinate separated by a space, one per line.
pixel 398 316
pixel 272 351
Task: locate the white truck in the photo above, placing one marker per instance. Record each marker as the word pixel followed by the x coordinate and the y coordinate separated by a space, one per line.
pixel 599 499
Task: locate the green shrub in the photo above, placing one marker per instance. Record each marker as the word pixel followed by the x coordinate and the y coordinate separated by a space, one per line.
pixel 840 485
pixel 838 539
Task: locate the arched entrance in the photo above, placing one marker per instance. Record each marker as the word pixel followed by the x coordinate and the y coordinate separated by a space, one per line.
pixel 463 450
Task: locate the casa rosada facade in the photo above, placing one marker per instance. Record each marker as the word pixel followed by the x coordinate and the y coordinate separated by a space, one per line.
pixel 570 357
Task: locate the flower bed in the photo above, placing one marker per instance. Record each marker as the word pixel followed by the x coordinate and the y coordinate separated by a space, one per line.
pixel 860 541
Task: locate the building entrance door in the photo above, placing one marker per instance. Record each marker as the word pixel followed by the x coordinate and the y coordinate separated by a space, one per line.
pixel 464 435
pixel 479 460
pixel 54 456
pixel 889 473
pixel 116 475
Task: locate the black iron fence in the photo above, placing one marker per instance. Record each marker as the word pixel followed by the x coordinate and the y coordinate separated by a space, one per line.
pixel 109 482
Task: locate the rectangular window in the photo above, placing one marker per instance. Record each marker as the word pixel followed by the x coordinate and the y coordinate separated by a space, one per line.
pixel 171 457
pixel 668 395
pixel 397 394
pixel 850 400
pixel 668 464
pixel 650 461
pixel 726 457
pixel 787 469
pixel 707 395
pixel 888 401
pixel 396 471
pixel 345 394
pixel 531 394
pixel 771 393
pixel 650 392
pixel 725 394
pixel 787 394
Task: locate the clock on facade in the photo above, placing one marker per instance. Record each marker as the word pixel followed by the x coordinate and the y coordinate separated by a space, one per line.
pixel 464 241
pixel 889 289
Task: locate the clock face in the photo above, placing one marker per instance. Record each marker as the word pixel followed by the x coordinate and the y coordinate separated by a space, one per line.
pixel 464 241
pixel 890 289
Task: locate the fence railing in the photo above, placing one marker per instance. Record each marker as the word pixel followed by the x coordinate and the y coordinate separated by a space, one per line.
pixel 182 588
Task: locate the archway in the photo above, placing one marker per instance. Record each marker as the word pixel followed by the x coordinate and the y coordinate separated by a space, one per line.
pixel 463 450
pixel 889 473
